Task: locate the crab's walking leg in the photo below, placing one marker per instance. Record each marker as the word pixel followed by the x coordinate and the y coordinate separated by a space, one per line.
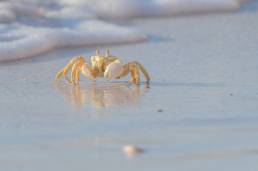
pixel 134 68
pixel 64 71
pixel 135 73
pixel 74 73
pixel 76 69
pixel 144 71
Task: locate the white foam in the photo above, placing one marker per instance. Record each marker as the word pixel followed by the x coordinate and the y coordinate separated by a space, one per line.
pixel 30 41
pixel 139 8
pixel 31 27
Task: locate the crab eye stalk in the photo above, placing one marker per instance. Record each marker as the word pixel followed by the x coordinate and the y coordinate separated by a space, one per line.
pixel 107 53
pixel 97 52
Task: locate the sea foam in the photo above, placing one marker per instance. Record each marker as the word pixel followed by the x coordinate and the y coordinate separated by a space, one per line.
pixel 31 27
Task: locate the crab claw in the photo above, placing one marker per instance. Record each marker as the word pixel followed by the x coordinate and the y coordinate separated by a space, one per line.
pixel 114 69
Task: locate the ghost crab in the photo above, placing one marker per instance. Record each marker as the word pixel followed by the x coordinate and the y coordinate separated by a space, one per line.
pixel 107 66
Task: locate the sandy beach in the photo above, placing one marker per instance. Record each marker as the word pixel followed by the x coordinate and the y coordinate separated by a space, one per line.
pixel 199 112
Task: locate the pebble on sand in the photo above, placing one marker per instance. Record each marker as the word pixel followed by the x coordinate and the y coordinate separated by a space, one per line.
pixel 160 110
pixel 132 150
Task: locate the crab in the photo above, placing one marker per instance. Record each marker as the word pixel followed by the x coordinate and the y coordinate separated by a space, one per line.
pixel 107 66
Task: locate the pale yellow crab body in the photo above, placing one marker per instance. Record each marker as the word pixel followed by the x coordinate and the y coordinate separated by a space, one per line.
pixel 106 66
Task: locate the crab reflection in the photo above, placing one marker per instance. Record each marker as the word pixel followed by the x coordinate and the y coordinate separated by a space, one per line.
pixel 102 95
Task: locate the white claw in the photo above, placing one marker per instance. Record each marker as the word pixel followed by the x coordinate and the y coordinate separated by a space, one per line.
pixel 114 69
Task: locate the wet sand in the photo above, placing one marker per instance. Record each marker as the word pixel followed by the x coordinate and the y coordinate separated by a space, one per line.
pixel 204 73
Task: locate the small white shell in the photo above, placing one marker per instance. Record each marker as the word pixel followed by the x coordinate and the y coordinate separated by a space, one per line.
pixel 131 150
pixel 114 69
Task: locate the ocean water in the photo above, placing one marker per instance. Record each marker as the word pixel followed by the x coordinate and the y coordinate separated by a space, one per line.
pixel 31 27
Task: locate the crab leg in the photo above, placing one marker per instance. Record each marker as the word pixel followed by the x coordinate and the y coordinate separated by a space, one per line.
pixel 64 71
pixel 134 68
pixel 135 74
pixel 75 72
pixel 144 71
